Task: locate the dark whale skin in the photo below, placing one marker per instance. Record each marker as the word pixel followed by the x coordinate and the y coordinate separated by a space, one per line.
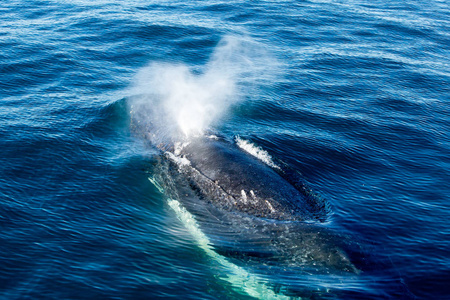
pixel 223 174
pixel 274 219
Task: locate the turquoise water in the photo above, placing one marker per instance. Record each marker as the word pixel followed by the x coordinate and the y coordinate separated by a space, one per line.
pixel 352 95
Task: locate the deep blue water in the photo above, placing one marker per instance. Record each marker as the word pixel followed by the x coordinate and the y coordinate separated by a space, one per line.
pixel 354 95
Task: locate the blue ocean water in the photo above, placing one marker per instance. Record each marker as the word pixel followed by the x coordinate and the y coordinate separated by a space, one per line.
pixel 354 95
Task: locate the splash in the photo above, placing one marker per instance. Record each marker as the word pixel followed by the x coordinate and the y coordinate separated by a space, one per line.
pixel 174 101
pixel 257 152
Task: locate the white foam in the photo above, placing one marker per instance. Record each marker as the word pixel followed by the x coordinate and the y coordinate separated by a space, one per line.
pixel 244 196
pixel 270 206
pixel 180 161
pixel 213 137
pixel 178 147
pixel 257 152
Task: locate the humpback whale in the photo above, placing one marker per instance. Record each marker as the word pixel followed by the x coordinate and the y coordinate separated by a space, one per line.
pixel 248 215
pixel 250 210
pixel 223 174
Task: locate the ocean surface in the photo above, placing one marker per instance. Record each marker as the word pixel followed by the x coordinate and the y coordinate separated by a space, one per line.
pixel 353 95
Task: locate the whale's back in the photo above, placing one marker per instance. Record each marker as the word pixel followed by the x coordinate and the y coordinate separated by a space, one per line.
pixel 222 173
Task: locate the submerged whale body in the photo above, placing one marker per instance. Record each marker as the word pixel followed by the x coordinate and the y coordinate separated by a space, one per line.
pixel 250 210
pixel 222 174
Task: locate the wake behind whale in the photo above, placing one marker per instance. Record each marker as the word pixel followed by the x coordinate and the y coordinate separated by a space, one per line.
pixel 256 217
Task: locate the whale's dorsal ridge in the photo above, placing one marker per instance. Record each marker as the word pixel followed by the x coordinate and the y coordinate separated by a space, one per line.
pixel 223 174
